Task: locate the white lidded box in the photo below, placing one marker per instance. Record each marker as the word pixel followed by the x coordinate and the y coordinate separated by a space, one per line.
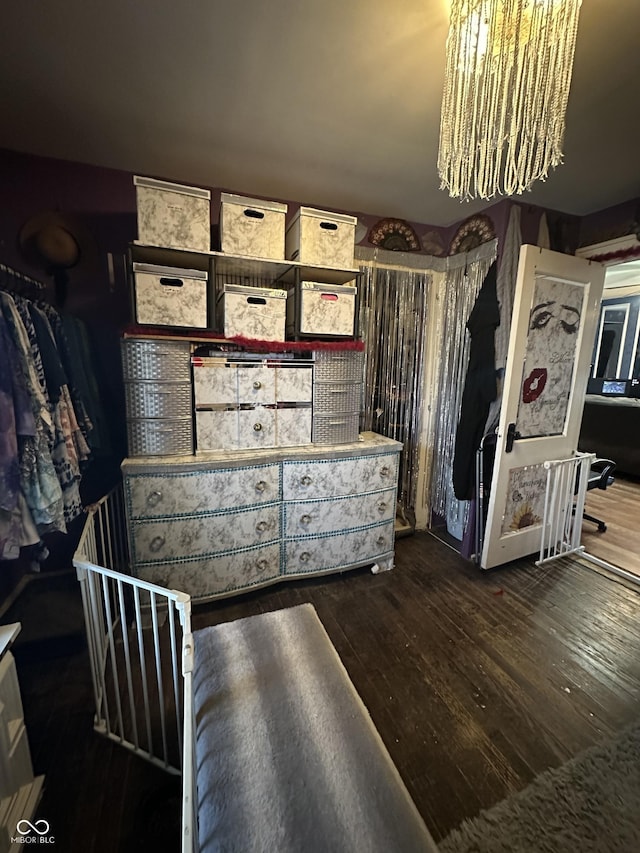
pixel 322 238
pixel 167 296
pixel 323 310
pixel 253 312
pixel 173 215
pixel 251 226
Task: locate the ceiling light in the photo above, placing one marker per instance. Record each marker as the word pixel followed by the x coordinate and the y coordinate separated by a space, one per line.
pixel 509 66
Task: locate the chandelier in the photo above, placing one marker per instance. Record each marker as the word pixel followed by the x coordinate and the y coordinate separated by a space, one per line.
pixel 508 72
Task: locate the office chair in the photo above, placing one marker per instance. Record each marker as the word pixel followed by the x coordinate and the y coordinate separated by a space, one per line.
pixel 600 477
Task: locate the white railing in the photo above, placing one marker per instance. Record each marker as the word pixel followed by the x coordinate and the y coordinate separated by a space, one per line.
pixel 141 655
pixel 565 494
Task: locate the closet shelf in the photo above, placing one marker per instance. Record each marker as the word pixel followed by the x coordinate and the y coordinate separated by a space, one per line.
pixel 284 272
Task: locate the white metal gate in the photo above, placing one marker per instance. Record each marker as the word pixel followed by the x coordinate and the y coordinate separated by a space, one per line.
pixel 565 493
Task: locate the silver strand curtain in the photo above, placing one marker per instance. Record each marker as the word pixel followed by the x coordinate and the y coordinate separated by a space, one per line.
pixel 463 279
pixel 393 299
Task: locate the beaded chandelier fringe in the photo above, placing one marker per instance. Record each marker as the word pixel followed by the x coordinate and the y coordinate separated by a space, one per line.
pixel 508 73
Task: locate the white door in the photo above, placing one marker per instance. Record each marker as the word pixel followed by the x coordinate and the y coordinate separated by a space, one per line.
pixel 555 311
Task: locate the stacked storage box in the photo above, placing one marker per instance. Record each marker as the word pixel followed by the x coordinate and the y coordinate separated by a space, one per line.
pixel 252 227
pixel 157 381
pixel 252 312
pixel 337 393
pixel 173 215
pixel 167 296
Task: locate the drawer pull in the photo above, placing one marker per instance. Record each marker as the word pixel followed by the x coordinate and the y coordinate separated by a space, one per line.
pixel 382 506
pixel 257 427
pixel 305 556
pixel 261 526
pixel 156 543
pixel 257 385
pixel 385 471
pixel 154 498
pixel 305 481
pixel 261 486
pixel 262 566
pixel 305 519
pixel 380 541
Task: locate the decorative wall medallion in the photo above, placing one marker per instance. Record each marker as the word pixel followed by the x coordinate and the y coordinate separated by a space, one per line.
pixel 395 235
pixel 473 232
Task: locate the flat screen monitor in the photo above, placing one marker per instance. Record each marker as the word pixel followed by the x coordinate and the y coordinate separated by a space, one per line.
pixel 614 386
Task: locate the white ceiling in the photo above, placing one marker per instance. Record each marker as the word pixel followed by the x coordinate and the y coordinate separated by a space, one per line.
pixel 332 103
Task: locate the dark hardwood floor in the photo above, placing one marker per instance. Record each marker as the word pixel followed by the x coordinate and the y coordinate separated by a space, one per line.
pixel 619 507
pixel 477 682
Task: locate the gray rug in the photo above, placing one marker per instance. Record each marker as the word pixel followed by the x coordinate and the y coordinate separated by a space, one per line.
pixel 589 805
pixel 288 758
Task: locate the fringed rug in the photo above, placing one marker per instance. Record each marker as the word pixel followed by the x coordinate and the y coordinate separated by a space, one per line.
pixel 589 805
pixel 288 758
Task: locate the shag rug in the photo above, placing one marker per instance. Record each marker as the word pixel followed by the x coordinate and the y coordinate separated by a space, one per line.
pixel 288 758
pixel 591 804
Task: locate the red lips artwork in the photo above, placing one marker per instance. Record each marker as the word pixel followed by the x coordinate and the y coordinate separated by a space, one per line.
pixel 534 384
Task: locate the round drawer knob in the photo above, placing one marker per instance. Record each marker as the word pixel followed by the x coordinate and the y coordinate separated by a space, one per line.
pixel 257 385
pixel 262 566
pixel 305 519
pixel 305 557
pixel 257 427
pixel 382 506
pixel 380 541
pixel 261 486
pixel 385 471
pixel 306 480
pixel 156 543
pixel 261 526
pixel 154 498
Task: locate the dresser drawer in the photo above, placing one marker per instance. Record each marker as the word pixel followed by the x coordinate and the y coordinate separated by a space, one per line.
pixel 323 553
pixel 338 477
pixel 312 518
pixel 215 576
pixel 199 536
pixel 171 495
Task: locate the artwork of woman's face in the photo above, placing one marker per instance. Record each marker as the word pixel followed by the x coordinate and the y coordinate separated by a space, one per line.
pixel 554 321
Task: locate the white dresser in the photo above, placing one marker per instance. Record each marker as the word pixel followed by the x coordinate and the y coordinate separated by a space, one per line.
pixel 228 521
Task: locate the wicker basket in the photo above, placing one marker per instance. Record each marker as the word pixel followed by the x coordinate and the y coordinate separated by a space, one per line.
pixel 160 437
pixel 166 361
pixel 336 429
pixel 341 366
pixel 158 399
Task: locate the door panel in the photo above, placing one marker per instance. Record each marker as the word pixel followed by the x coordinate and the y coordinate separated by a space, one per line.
pixel 555 311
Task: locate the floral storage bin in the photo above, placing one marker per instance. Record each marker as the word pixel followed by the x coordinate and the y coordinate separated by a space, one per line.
pixel 173 215
pixel 321 310
pixel 251 226
pixel 321 238
pixel 253 312
pixel 167 296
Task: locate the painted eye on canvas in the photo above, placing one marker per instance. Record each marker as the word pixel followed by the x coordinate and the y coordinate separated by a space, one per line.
pixel 539 319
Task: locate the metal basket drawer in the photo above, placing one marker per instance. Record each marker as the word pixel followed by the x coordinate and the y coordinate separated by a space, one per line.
pixel 158 399
pixel 155 360
pixel 343 366
pixel 160 437
pixel 331 397
pixel 336 429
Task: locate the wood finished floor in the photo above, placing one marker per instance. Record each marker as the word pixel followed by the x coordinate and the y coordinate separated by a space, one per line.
pixel 477 682
pixel 619 507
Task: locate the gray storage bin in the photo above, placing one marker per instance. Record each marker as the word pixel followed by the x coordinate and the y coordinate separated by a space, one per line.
pixel 158 399
pixel 337 397
pixel 336 428
pixel 342 366
pixel 155 360
pixel 160 437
